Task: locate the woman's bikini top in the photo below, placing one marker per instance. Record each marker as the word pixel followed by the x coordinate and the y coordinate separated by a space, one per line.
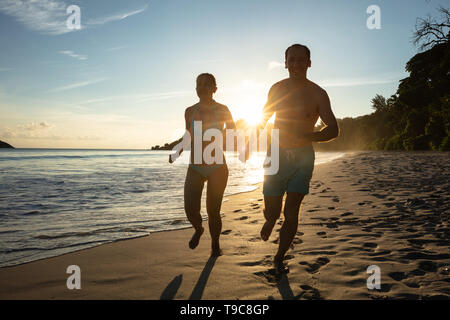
pixel 216 125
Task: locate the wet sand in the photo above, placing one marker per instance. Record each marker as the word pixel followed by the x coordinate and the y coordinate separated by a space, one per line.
pixel 389 209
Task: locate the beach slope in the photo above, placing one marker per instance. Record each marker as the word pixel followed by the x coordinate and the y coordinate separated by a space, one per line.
pixel 384 209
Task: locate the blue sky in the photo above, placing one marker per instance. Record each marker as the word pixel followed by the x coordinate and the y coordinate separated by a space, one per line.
pixel 125 78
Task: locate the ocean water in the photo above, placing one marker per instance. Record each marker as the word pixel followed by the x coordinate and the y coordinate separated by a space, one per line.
pixel 55 201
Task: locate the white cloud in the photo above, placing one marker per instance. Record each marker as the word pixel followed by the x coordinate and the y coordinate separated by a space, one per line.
pixel 77 85
pixel 50 16
pixel 353 82
pixel 34 126
pixel 115 17
pixel 73 55
pixel 46 16
pixel 275 64
pixel 116 48
pixel 136 98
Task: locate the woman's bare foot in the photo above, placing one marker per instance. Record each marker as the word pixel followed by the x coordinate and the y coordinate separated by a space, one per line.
pixel 193 243
pixel 267 230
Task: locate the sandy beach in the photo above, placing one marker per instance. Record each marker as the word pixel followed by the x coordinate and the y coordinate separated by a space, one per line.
pixel 389 209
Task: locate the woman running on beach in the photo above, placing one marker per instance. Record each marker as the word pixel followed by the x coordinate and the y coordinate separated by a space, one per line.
pixel 211 115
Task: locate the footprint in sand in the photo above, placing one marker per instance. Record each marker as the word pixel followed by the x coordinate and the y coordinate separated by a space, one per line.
pixel 354 272
pixel 250 263
pixel 310 293
pixel 370 245
pixel 242 218
pixel 238 210
pixel 412 285
pixel 226 232
pixel 271 275
pixel 397 276
pixel 345 214
pixel 416 272
pixel 428 266
pixel 322 234
pixel 297 241
pixel 314 267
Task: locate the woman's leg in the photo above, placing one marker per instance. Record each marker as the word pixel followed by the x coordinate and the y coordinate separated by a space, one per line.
pixel 193 188
pixel 217 181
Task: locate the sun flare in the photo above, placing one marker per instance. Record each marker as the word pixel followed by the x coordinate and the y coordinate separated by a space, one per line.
pixel 247 102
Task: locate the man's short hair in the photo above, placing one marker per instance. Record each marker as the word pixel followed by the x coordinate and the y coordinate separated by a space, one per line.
pixel 210 77
pixel 298 46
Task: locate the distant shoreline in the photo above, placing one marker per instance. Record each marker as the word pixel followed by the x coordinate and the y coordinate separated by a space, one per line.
pixel 5 145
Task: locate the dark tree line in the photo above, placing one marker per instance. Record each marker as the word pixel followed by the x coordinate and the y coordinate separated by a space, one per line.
pixel 417 116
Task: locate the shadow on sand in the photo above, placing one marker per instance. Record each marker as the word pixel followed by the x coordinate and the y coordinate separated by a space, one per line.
pixel 285 289
pixel 170 291
pixel 203 279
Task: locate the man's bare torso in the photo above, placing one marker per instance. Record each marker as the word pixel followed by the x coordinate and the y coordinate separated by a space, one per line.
pixel 297 111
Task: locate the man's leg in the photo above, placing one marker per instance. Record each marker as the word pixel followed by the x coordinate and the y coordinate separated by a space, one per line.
pixel 217 181
pixel 272 213
pixel 193 188
pixel 289 227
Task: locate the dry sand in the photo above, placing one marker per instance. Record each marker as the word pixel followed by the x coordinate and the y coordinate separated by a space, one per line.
pixel 389 209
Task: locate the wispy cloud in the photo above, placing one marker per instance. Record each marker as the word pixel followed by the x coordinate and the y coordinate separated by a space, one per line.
pixel 136 98
pixel 73 55
pixel 274 64
pixel 46 16
pixel 50 16
pixel 33 126
pixel 115 17
pixel 353 82
pixel 116 48
pixel 77 85
pixel 5 69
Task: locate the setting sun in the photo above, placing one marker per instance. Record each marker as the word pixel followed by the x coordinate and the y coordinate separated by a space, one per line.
pixel 247 101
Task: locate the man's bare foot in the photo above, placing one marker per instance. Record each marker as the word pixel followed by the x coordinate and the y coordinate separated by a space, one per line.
pixel 193 243
pixel 267 230
pixel 279 265
pixel 216 252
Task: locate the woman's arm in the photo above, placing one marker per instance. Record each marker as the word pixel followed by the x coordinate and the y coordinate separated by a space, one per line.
pixel 185 141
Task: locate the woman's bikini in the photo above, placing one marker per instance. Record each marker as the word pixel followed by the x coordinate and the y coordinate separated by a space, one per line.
pixel 206 170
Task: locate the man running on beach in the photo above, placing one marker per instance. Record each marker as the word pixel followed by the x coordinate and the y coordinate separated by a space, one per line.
pixel 297 103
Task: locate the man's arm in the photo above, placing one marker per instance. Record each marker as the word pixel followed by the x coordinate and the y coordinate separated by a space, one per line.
pixel 331 129
pixel 268 110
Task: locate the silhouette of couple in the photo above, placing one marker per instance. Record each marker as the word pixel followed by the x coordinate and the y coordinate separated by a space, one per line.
pixel 297 104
